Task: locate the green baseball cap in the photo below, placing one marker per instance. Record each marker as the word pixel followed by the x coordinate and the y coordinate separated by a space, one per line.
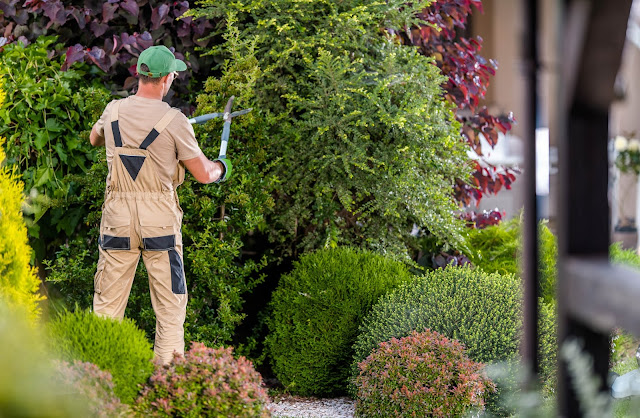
pixel 160 61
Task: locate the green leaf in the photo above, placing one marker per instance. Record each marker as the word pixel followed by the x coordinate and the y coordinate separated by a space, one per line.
pixel 41 139
pixel 53 125
pixel 61 153
pixel 43 175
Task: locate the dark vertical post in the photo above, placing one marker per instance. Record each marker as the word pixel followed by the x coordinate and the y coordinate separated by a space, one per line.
pixel 594 36
pixel 530 224
pixel 585 219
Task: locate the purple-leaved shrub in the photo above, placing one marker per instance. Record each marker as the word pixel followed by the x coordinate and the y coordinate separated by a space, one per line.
pixel 94 386
pixel 424 374
pixel 204 382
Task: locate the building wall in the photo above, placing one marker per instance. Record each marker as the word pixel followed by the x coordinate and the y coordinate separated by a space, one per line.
pixel 625 121
pixel 501 27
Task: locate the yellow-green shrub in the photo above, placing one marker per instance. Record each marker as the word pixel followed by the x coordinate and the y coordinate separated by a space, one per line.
pixel 18 280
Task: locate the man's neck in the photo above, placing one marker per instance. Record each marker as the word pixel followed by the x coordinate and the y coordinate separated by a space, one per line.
pixel 150 91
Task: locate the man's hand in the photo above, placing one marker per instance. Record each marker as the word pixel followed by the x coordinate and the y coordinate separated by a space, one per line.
pixel 205 170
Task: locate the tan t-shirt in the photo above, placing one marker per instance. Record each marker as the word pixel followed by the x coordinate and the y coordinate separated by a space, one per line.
pixel 136 118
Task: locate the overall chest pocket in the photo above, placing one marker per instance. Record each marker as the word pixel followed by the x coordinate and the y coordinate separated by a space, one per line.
pixel 158 231
pixel 115 232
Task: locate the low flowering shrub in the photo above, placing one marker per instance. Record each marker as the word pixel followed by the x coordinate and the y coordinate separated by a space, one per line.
pixel 424 374
pixel 483 311
pixel 94 386
pixel 204 382
pixel 119 347
pixel 27 386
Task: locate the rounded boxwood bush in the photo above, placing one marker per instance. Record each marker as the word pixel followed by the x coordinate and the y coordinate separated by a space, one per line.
pixel 483 311
pixel 116 346
pixel 424 374
pixel 317 309
pixel 205 382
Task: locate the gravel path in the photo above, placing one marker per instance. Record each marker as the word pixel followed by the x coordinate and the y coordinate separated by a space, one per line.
pixel 294 406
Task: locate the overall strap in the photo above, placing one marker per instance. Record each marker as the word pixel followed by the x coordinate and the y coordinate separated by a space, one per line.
pixel 159 127
pixel 117 139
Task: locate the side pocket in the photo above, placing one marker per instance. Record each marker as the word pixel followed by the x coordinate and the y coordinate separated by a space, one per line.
pixel 178 285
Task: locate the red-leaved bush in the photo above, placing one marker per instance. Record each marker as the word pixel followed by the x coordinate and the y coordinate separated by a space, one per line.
pixel 468 75
pixel 424 374
pixel 204 382
pixel 94 387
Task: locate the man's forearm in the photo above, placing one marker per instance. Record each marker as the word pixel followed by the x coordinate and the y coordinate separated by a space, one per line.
pixel 215 170
pixel 95 139
pixel 203 169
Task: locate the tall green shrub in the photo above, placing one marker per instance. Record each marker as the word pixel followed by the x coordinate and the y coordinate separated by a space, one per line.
pixel 118 347
pixel 46 119
pixel 316 312
pixel 365 146
pixel 19 283
pixel 483 311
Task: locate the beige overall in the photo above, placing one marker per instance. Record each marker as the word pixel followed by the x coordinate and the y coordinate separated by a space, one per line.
pixel 140 217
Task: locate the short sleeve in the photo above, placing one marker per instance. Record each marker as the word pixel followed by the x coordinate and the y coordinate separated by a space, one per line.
pixel 99 125
pixel 186 144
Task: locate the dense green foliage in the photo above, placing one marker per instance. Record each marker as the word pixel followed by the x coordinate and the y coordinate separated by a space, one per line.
pixel 316 312
pixel 481 310
pixel 19 283
pixel 46 118
pixel 498 248
pixel 423 374
pixel 388 162
pixel 93 386
pixel 363 144
pixel 118 347
pixel 204 382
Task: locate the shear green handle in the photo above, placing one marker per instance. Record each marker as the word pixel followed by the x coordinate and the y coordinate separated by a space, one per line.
pixel 228 169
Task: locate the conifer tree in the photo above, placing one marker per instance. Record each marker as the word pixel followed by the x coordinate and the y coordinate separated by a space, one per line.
pixel 19 283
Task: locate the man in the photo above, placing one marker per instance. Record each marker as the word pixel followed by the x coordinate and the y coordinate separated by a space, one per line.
pixel 148 146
